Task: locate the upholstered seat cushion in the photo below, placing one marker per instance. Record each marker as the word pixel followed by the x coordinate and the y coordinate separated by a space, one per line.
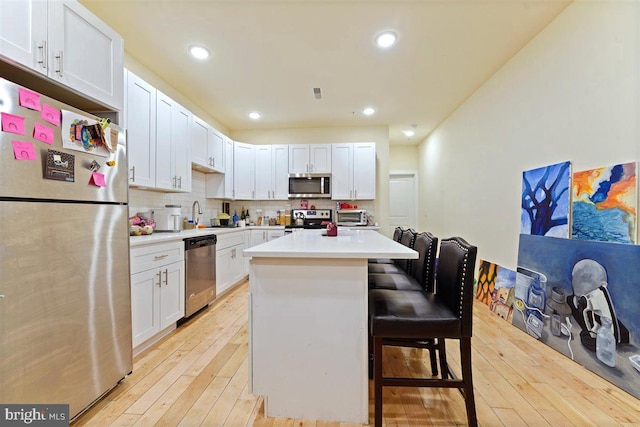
pixel 410 314
pixel 385 269
pixel 380 261
pixel 398 282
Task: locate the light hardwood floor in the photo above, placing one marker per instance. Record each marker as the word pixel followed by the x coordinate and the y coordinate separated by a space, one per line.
pixel 198 375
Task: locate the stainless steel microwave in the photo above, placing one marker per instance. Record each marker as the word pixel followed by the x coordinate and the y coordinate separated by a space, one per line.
pixel 309 185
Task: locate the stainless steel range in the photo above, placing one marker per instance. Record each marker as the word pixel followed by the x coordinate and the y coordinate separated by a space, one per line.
pixel 312 218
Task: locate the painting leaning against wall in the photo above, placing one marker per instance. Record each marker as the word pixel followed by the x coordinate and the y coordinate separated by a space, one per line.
pixel 496 288
pixel 546 200
pixel 581 298
pixel 604 204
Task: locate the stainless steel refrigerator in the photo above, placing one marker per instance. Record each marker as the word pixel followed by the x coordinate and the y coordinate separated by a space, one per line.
pixel 65 308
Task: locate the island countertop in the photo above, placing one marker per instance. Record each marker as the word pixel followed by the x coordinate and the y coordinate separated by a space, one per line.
pixel 347 244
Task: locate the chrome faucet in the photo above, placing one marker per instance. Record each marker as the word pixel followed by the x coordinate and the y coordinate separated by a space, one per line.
pixel 193 212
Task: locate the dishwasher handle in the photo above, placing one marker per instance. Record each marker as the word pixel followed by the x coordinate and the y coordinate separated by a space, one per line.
pixel 200 242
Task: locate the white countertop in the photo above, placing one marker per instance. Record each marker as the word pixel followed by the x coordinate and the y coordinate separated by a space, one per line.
pixel 158 237
pixel 347 244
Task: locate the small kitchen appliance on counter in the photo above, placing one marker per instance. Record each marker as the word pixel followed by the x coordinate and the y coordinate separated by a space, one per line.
pixel 351 217
pixel 168 218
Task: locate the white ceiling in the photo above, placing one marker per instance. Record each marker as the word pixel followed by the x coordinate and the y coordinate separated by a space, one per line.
pixel 268 55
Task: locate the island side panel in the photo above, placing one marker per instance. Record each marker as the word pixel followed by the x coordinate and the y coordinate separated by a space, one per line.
pixel 308 337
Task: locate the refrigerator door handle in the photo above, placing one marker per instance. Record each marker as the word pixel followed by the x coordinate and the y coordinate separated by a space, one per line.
pixel 166 276
pixel 133 173
pixel 160 278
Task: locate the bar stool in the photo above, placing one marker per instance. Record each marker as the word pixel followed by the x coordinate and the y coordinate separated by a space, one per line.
pixel 399 265
pixel 415 316
pixel 397 235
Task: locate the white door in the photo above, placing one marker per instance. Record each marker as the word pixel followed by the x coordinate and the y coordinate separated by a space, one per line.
pixel 342 171
pixel 23 32
pixel 403 202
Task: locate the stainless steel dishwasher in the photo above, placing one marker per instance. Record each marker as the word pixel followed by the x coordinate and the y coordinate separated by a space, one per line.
pixel 200 264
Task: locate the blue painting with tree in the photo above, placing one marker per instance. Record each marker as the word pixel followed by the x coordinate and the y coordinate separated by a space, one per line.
pixel 545 200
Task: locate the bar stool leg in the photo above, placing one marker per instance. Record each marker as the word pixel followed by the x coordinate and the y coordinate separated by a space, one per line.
pixel 377 381
pixel 469 401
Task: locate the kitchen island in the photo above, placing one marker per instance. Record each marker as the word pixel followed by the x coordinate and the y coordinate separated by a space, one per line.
pixel 308 322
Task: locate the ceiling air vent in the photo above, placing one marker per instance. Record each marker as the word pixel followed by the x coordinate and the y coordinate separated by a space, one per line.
pixel 317 93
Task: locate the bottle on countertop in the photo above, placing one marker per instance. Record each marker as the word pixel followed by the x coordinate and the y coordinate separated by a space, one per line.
pixel 247 217
pixel 242 213
pixel 235 218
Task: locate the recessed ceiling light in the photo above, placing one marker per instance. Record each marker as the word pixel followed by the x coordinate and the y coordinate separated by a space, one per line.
pixel 254 115
pixel 409 133
pixel 368 111
pixel 199 52
pixel 386 39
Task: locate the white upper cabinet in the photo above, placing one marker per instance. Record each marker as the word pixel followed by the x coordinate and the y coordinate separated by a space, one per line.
pixel 64 41
pixel 141 131
pixel 244 178
pixel 353 175
pixel 23 32
pixel 272 172
pixel 207 147
pixel 310 158
pixel 181 146
pixel 173 160
pixel 263 172
pixel 158 138
pixel 220 186
pixel 279 172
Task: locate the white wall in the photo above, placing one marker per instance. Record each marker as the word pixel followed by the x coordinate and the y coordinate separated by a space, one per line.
pixel 570 94
pixel 403 157
pixel 377 134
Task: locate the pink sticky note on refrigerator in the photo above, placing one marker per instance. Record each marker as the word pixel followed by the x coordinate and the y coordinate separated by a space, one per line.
pixel 43 133
pixel 23 150
pixel 13 124
pixel 29 99
pixel 50 114
pixel 97 179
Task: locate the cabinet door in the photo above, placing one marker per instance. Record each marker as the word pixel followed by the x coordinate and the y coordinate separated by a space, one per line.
pixel 23 32
pixel 84 53
pixel 180 144
pixel 145 305
pixel 364 171
pixel 263 172
pixel 165 166
pixel 320 158
pixel 244 171
pixel 228 169
pixel 141 131
pixel 171 293
pixel 274 234
pixel 200 143
pixel 342 171
pixel 258 237
pixel 280 172
pixel 299 158
pixel 224 270
pixel 216 147
pixel 237 264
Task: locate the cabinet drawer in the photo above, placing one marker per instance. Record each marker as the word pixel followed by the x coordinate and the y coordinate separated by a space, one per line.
pixel 231 239
pixel 147 257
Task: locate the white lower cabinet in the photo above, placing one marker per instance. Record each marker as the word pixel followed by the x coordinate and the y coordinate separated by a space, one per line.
pixel 157 289
pixel 229 260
